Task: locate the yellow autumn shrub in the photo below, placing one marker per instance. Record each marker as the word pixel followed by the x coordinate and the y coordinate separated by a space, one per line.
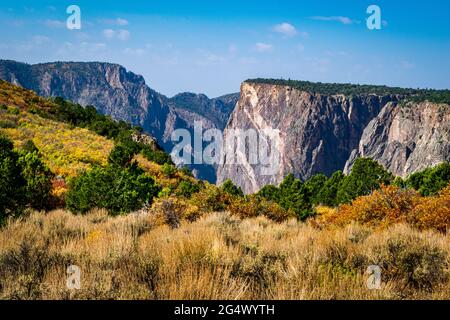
pixel 173 210
pixel 65 150
pixel 432 212
pixel 253 206
pixel 391 205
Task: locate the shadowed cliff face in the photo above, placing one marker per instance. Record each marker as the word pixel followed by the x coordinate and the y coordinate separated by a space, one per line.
pixel 323 133
pixel 406 138
pixel 114 91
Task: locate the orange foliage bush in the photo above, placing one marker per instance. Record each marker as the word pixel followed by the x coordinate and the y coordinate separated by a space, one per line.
pixel 254 206
pixel 172 211
pixel 433 212
pixel 59 190
pixel 391 205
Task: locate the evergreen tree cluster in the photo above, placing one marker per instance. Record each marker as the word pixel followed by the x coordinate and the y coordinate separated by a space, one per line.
pixel 366 176
pixel 415 95
pixel 25 181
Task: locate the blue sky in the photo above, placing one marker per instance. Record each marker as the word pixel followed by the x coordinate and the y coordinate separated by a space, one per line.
pixel 212 46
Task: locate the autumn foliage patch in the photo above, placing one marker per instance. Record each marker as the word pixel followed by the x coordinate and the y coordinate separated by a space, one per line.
pixel 392 204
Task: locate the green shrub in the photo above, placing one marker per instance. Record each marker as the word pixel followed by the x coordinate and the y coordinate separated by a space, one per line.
pixel 211 199
pixel 413 262
pixel 38 180
pixel 121 155
pixel 13 110
pixel 158 156
pixel 328 194
pixel 295 196
pixel 7 124
pixel 169 170
pixel 187 188
pixel 270 192
pixel 185 170
pixel 314 185
pixel 366 176
pixel 229 187
pixel 252 206
pixel 30 147
pixel 431 180
pixel 12 182
pixel 291 195
pixel 119 190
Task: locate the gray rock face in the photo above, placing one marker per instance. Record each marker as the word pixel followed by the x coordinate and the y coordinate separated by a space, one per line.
pixel 325 133
pixel 216 110
pixel 114 91
pixel 406 138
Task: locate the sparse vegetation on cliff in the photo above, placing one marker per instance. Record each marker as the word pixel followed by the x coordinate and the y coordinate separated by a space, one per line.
pixel 415 95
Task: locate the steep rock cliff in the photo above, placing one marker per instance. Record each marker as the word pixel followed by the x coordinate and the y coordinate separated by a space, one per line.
pixel 322 133
pixel 406 138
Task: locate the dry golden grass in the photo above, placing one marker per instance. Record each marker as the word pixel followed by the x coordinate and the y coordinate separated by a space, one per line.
pixel 216 257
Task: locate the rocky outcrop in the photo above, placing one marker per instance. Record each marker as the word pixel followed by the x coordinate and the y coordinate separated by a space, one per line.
pixel 216 110
pixel 114 91
pixel 406 138
pixel 323 133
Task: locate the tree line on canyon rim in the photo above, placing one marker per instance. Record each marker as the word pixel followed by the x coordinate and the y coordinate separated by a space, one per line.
pixel 412 95
pixel 122 186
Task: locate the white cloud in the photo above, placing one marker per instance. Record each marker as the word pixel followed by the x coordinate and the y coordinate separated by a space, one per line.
pixel 286 29
pixel 123 35
pixel 300 47
pixel 108 33
pixel 121 22
pixel 55 23
pixel 263 47
pixel 116 22
pixel 208 58
pixel 341 19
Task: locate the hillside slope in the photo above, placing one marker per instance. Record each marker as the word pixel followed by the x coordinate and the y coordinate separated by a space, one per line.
pixel 65 149
pixel 114 91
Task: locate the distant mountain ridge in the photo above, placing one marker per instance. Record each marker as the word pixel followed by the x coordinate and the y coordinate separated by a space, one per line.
pixel 324 127
pixel 125 96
